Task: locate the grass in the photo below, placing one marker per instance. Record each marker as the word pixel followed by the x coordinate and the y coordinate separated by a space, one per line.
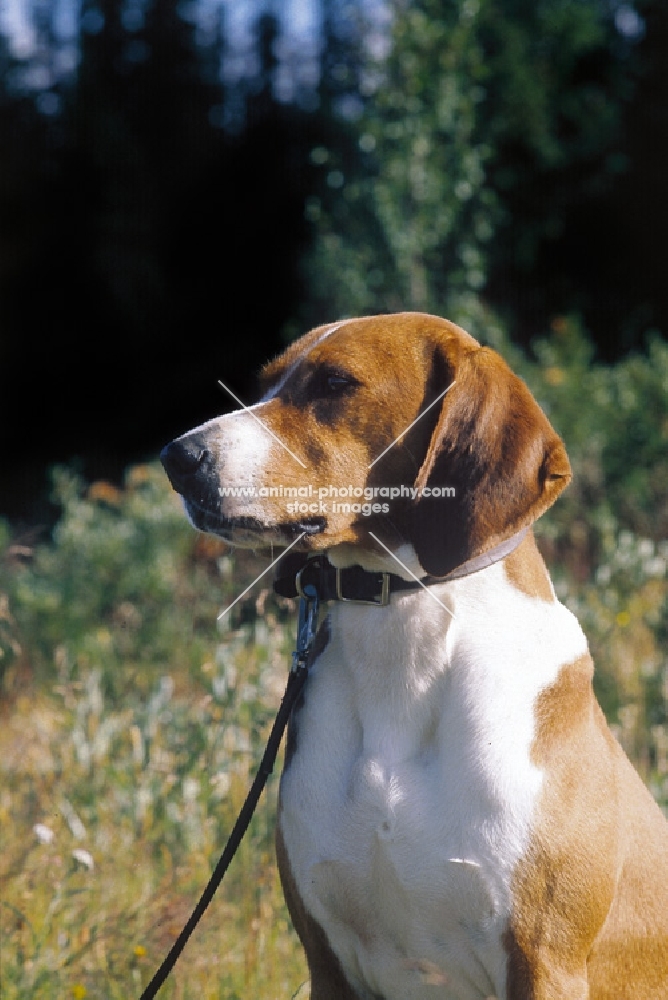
pixel 111 820
pixel 123 770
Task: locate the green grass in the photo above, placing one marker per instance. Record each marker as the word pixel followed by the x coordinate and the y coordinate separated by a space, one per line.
pixel 131 728
pixel 71 930
pixel 138 802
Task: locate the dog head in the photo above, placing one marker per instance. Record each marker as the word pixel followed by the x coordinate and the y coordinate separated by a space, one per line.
pixel 400 427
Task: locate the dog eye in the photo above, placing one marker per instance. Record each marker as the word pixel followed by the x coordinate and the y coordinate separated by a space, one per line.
pixel 338 383
pixel 328 383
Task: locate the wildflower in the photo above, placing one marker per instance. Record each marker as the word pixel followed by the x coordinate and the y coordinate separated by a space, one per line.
pixel 191 788
pixel 79 991
pixel 220 784
pixel 43 833
pixel 83 857
pixel 139 951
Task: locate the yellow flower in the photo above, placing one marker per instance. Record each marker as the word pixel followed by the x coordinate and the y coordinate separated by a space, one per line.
pixel 79 991
pixel 623 618
pixel 139 950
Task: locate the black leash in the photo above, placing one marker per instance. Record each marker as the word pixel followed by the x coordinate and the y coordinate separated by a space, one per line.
pixel 306 629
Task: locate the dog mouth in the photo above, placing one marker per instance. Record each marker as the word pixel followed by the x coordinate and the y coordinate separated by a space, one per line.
pixel 244 530
pixel 191 471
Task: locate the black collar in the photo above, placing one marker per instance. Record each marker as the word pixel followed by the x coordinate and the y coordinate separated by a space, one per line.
pixel 361 586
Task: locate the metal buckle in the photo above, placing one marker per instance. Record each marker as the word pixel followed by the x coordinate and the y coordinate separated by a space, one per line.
pixel 298 578
pixel 379 602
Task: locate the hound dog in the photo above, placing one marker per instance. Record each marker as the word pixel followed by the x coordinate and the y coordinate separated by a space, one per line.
pixel 456 819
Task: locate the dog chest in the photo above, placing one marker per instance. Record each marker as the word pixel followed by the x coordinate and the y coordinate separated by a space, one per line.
pixel 408 800
pixel 408 901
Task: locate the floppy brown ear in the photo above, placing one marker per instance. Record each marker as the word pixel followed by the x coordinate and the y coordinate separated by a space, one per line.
pixel 495 446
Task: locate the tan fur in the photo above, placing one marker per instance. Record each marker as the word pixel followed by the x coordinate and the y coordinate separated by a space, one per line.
pixel 526 570
pixel 591 913
pixel 487 438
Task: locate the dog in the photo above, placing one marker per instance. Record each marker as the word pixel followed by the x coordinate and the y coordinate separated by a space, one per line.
pixel 455 819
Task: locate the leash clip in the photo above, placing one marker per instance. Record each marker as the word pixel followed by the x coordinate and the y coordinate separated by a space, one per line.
pixel 307 624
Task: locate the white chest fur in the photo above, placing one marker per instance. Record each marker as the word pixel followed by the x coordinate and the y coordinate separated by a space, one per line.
pixel 409 799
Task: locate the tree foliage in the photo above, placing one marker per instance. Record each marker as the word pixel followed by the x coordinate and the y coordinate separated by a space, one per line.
pixel 493 134
pixel 409 225
pixel 165 222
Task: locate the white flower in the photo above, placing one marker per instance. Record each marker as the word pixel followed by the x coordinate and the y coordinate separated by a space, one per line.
pixel 654 567
pixel 221 784
pixel 190 789
pixel 43 833
pixel 83 857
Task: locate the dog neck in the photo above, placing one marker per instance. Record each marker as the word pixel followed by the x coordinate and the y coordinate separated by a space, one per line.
pixel 358 584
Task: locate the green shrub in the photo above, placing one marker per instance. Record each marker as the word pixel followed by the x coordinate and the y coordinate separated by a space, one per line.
pixel 124 588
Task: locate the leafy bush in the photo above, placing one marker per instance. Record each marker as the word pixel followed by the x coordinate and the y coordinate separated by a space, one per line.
pixel 126 586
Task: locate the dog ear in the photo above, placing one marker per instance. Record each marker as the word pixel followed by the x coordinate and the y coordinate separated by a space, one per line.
pixel 496 448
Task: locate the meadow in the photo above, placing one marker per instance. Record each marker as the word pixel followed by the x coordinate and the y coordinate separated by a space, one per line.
pixel 132 725
pixel 132 720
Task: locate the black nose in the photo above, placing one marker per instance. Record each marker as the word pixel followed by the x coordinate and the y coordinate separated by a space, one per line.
pixel 184 458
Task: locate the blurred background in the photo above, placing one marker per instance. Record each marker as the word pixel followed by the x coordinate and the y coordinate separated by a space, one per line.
pixel 186 186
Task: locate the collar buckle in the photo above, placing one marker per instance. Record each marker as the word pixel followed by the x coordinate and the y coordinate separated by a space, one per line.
pixel 314 564
pixel 381 601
